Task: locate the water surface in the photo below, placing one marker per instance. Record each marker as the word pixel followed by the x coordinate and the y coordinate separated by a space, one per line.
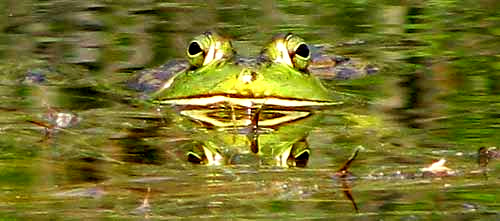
pixel 435 97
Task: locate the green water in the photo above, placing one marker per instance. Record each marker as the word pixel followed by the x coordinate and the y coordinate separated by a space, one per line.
pixel 436 96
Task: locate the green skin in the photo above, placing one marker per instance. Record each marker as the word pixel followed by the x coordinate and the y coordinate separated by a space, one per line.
pixel 267 79
pixel 274 80
pixel 281 76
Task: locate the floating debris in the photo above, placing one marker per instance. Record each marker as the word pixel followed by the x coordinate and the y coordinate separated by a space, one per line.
pixel 92 192
pixel 145 207
pixel 485 154
pixel 438 169
pixel 55 120
pixel 343 173
pixel 35 77
pixel 62 119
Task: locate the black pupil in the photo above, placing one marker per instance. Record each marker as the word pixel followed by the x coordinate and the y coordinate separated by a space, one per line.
pixel 194 48
pixel 302 51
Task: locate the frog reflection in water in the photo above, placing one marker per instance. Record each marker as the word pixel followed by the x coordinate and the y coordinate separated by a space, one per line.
pixel 250 108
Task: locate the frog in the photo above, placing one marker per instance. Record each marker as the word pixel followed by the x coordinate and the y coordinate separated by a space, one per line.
pixel 322 64
pixel 246 108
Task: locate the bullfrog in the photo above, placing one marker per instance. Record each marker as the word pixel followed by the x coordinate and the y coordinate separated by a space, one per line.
pixel 261 107
pixel 278 76
pixel 321 64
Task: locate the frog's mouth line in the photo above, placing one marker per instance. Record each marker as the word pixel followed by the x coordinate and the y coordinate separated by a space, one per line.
pixel 247 101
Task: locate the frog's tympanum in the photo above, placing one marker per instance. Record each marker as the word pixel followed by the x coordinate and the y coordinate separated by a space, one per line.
pixel 258 108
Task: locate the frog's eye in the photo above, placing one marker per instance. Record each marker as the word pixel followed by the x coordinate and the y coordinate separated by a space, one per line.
pixel 196 53
pixel 303 51
pixel 299 52
pixel 301 56
pixel 194 49
pixel 207 48
pixel 290 50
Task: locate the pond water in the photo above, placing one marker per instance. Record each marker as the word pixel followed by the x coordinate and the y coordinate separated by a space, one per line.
pixel 77 144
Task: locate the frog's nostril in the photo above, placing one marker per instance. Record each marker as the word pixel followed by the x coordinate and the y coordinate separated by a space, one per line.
pixel 254 75
pixel 248 76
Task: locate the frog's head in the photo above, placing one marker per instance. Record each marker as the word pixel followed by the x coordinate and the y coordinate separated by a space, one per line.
pixel 278 77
